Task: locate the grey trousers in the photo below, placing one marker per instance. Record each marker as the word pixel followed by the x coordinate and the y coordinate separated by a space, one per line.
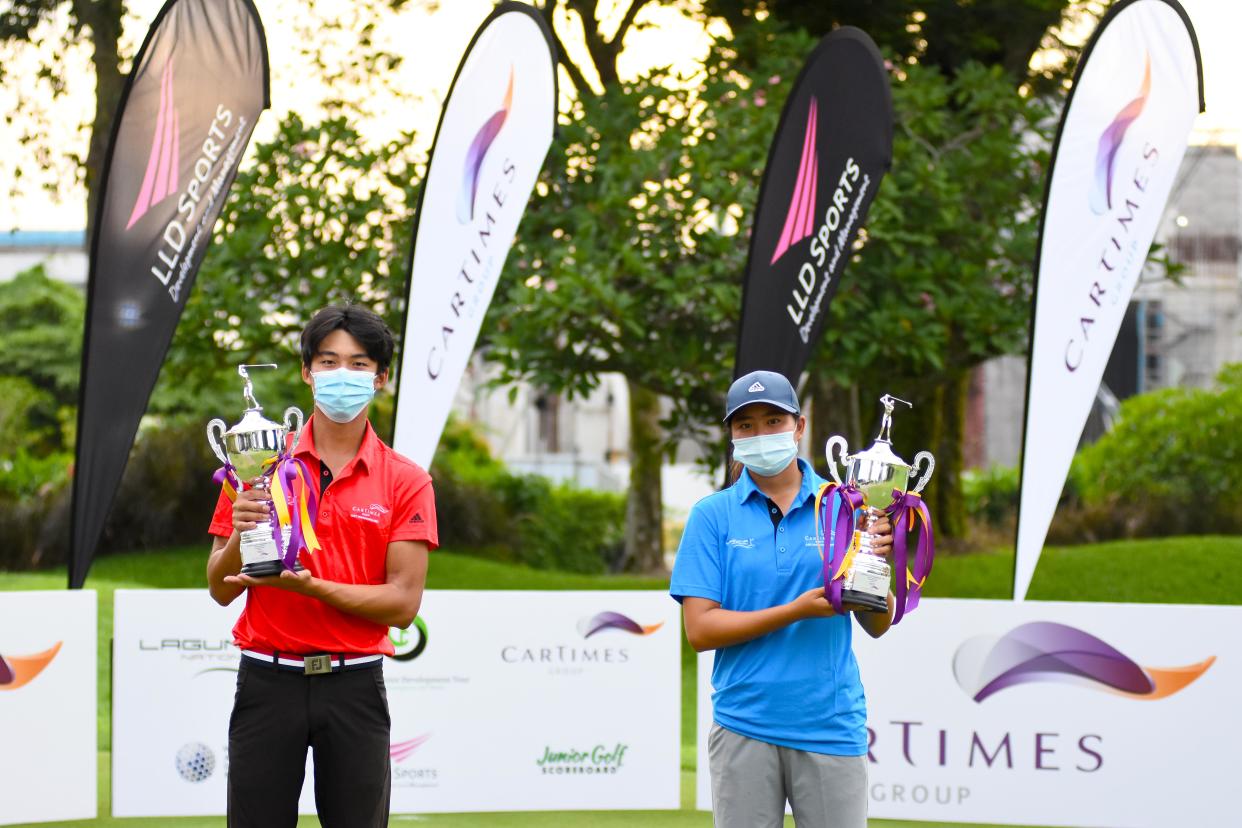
pixel 751 780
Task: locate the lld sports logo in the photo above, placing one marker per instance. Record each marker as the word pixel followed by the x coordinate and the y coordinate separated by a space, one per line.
pixel 17 671
pixel 400 751
pixel 160 180
pixel 1101 197
pixel 614 621
pixel 477 152
pixel 828 240
pixel 1043 651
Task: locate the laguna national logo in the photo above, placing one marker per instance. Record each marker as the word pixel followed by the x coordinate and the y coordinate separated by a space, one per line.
pixel 1043 651
pixel 1101 197
pixel 477 152
pixel 18 671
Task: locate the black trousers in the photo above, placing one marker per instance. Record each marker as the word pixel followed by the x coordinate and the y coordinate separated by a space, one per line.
pixel 342 717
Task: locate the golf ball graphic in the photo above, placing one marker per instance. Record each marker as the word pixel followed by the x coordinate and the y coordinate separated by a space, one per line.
pixel 195 762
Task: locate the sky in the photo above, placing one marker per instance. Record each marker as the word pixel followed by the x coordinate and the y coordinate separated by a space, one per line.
pixel 432 36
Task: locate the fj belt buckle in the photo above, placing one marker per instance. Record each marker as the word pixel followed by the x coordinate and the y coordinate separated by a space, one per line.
pixel 316 664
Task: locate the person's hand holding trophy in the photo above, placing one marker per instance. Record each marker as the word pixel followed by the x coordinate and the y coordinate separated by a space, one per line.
pixel 255 456
pixel 876 483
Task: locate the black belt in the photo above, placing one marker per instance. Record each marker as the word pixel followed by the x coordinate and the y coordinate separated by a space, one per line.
pixel 312 665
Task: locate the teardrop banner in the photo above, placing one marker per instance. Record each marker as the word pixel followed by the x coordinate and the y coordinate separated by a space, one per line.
pixel 1136 92
pixel 189 106
pixel 832 147
pixel 495 130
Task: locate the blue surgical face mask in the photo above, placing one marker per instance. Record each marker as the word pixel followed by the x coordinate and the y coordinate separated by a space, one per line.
pixel 341 394
pixel 767 454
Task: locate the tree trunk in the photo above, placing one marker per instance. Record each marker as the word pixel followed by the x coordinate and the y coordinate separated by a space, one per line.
pixel 644 512
pixel 949 507
pixel 834 410
pixel 103 18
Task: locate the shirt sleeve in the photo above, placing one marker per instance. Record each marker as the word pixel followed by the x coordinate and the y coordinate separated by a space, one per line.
pixel 696 570
pixel 222 519
pixel 414 512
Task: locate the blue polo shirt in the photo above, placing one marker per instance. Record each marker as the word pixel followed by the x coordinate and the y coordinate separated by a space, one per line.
pixel 798 686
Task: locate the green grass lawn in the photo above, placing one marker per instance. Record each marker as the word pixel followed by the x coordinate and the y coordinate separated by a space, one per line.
pixel 1209 572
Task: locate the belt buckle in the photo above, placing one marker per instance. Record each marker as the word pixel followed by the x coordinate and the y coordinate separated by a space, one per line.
pixel 316 664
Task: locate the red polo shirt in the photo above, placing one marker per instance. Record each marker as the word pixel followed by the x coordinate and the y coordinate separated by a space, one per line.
pixel 378 497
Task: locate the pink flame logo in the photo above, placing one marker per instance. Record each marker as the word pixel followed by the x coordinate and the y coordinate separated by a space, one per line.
pixel 1101 198
pixel 1043 651
pixel 801 213
pixel 400 751
pixel 614 621
pixel 160 180
pixel 478 151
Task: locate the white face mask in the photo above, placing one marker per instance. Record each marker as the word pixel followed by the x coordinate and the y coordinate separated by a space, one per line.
pixel 767 454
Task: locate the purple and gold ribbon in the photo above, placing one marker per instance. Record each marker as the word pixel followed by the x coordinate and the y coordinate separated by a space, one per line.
pixel 294 504
pixel 836 537
pixel 909 512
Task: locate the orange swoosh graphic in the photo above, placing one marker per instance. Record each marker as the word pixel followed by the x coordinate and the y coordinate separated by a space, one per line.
pixel 649 629
pixel 1170 680
pixel 25 668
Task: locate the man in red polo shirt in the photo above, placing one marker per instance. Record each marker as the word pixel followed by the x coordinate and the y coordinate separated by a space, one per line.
pixel 313 641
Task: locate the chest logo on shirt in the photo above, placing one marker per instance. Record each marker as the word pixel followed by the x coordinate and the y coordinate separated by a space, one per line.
pixel 372 514
pixel 741 543
pixel 812 541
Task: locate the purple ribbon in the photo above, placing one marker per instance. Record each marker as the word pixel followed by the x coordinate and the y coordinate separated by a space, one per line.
pixel 228 473
pixel 288 468
pixel 901 513
pixel 838 537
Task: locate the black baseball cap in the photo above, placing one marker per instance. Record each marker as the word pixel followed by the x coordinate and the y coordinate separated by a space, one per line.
pixel 761 387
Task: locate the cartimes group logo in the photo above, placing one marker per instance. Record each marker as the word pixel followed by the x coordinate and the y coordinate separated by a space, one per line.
pixel 1101 197
pixel 17 671
pixel 160 180
pixel 1043 651
pixel 609 620
pixel 478 152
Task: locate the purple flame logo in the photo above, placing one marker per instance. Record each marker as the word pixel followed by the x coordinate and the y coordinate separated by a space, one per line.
pixel 478 151
pixel 800 217
pixel 614 621
pixel 1101 198
pixel 1043 651
pixel 160 180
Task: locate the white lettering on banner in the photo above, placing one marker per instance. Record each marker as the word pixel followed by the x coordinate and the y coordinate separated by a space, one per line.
pixel 821 242
pixel 175 231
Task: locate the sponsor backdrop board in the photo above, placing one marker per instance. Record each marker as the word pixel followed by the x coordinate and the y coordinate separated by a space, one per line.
pixel 174 672
pixel 1049 713
pixel 48 763
pixel 500 701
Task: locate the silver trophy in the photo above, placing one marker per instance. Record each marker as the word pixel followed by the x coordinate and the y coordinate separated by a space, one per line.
pixel 876 472
pixel 251 447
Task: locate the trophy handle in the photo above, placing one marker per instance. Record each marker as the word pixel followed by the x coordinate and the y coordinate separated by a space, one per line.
pixel 931 466
pixel 293 422
pixel 215 439
pixel 836 440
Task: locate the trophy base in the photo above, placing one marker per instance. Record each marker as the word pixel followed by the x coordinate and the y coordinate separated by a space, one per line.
pixel 267 569
pixel 866 600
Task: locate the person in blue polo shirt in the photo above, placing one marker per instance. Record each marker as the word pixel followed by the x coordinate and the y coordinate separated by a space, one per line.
pixel 790 719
